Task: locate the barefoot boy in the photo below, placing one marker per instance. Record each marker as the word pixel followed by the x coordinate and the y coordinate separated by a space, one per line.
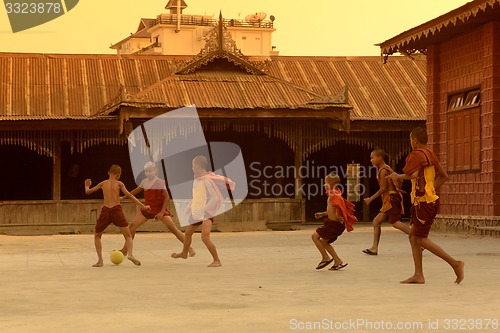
pixel 337 217
pixel 155 196
pixel 112 211
pixel 426 174
pixel 392 201
pixel 207 200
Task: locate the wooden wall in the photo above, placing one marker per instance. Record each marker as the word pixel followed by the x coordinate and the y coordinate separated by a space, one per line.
pixel 79 216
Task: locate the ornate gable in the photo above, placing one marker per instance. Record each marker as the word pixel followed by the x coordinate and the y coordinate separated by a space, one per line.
pixel 220 45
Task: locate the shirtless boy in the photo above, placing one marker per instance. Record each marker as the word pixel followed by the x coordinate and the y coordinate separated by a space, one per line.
pixel 112 211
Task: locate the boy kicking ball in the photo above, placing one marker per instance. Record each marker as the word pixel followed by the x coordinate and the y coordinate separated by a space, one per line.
pixel 112 211
pixel 207 199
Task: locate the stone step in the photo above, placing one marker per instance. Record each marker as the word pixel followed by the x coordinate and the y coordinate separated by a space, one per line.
pixel 491 231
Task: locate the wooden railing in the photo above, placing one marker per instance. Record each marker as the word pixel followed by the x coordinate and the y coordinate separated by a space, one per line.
pixel 203 21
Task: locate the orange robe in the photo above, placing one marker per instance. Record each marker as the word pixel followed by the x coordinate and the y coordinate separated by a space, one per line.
pixel 424 161
pixel 418 159
pixel 423 193
pixel 345 209
pixel 386 196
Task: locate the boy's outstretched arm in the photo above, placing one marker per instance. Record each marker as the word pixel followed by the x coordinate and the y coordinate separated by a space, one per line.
pixel 397 176
pixel 89 190
pixel 319 215
pixel 131 196
pixel 135 191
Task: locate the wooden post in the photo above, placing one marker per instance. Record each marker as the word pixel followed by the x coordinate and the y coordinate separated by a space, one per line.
pixel 56 169
pixel 298 164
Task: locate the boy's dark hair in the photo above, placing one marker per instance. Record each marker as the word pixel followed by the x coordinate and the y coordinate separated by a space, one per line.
pixel 115 169
pixel 380 153
pixel 420 134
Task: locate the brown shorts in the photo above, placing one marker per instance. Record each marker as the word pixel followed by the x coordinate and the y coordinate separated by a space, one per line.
pixel 425 212
pixel 330 230
pixel 110 215
pixel 150 214
pixel 394 214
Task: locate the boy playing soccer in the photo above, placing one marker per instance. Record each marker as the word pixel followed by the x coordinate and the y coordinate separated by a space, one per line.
pixel 207 200
pixel 155 196
pixel 112 211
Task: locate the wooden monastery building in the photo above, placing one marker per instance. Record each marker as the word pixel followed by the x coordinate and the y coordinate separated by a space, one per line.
pixel 463 108
pixel 66 117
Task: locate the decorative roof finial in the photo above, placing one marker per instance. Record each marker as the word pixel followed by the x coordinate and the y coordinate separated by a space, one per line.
pixel 172 6
pixel 220 39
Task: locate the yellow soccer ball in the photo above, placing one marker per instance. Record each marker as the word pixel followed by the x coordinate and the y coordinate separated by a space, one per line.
pixel 116 257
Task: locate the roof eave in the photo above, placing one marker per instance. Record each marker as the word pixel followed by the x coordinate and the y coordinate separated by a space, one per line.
pixel 420 37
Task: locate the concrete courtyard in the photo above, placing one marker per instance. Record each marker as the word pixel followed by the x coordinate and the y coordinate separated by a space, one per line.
pixel 268 283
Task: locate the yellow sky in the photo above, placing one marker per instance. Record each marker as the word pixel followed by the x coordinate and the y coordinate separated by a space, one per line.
pixel 323 27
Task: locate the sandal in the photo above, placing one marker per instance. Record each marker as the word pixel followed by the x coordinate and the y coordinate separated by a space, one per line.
pixel 324 263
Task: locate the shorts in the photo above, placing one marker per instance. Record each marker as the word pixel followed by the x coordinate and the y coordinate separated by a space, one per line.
pixel 394 214
pixel 192 221
pixel 330 230
pixel 110 215
pixel 150 214
pixel 425 212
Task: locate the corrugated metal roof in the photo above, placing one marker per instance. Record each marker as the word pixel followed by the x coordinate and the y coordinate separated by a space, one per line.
pixel 55 86
pixel 228 90
pixel 392 91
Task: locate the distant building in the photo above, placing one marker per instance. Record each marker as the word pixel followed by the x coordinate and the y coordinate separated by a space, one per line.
pixel 463 108
pixel 176 33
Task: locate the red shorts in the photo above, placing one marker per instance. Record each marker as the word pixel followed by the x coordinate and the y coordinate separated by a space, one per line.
pixel 110 215
pixel 425 212
pixel 394 214
pixel 330 230
pixel 150 214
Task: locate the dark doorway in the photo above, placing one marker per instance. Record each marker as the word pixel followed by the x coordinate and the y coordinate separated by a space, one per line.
pixel 93 163
pixel 26 175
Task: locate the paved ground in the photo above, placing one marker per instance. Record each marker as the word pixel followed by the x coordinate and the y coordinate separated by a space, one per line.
pixel 268 283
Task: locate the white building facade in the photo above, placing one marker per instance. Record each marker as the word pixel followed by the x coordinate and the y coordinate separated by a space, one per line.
pixel 176 33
